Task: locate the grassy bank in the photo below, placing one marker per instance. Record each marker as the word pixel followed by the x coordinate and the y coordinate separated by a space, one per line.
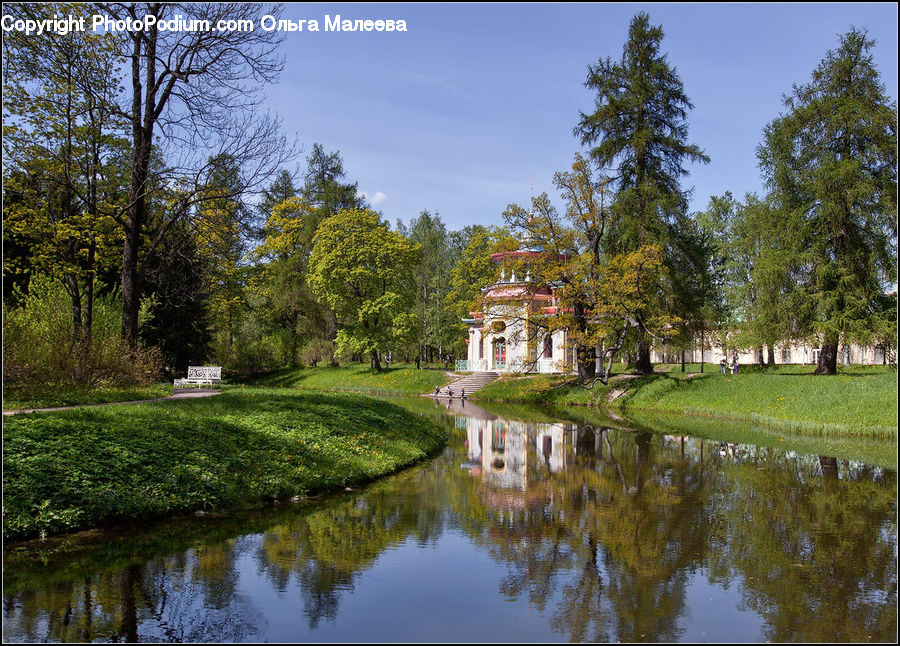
pixel 50 397
pixel 80 468
pixel 399 379
pixel 858 402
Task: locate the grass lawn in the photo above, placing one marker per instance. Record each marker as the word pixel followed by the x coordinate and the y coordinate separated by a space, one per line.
pixel 80 468
pixel 855 404
pixel 14 400
pixel 399 379
pixel 859 401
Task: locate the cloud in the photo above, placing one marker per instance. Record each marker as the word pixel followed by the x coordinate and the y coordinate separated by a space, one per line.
pixel 373 198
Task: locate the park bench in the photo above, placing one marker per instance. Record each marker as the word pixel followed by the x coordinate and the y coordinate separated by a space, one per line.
pixel 200 375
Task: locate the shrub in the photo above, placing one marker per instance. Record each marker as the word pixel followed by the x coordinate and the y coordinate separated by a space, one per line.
pixel 40 348
pixel 317 350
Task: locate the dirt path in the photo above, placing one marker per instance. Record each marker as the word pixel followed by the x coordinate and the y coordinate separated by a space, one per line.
pixel 187 394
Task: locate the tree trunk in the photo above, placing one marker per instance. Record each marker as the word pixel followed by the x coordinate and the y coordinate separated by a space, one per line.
pixel 75 294
pixel 827 359
pixel 771 354
pixel 761 355
pixel 587 367
pixel 642 365
pixel 376 360
pixel 702 350
pixel 142 122
pixel 829 467
pixel 682 360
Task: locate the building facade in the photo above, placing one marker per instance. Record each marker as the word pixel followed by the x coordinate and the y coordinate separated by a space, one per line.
pixel 502 337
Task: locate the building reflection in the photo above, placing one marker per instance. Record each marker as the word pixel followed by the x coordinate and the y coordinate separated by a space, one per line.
pixel 514 458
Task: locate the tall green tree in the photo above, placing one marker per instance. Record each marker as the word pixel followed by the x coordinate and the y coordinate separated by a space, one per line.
pixel 64 161
pixel 597 297
pixel 222 228
pixel 356 267
pixel 432 284
pixel 639 128
pixel 831 163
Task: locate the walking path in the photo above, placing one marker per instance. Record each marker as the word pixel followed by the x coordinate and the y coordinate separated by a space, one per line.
pixel 470 383
pixel 186 394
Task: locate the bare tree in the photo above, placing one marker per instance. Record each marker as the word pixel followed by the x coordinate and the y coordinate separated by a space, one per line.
pixel 193 97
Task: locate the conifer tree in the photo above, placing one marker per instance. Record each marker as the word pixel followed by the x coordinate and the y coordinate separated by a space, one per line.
pixel 638 134
pixel 831 163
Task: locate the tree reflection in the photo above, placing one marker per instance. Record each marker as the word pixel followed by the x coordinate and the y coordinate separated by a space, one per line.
pixel 602 530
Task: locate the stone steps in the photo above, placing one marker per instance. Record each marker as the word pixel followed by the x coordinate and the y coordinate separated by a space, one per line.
pixel 470 383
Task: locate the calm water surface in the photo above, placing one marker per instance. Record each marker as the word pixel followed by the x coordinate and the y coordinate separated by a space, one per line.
pixel 535 530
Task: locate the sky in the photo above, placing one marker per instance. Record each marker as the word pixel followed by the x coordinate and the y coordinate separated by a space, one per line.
pixel 460 113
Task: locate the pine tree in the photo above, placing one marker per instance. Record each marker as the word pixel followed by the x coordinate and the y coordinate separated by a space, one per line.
pixel 639 128
pixel 831 163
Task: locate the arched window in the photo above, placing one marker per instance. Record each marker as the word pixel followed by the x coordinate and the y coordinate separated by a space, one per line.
pixel 481 347
pixel 548 347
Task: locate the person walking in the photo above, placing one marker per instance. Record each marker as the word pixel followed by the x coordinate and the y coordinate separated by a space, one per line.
pixel 734 363
pixel 723 363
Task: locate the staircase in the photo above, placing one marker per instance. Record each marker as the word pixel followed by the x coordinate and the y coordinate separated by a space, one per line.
pixel 470 383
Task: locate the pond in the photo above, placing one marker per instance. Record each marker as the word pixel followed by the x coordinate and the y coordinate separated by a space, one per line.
pixel 528 527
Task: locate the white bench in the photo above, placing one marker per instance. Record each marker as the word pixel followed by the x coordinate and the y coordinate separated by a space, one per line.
pixel 200 375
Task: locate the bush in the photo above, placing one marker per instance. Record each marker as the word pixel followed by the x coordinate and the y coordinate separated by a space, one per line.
pixel 40 348
pixel 318 350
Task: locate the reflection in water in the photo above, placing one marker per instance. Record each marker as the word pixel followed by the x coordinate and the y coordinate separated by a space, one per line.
pixel 590 533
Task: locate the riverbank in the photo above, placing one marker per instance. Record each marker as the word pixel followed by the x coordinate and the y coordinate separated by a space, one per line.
pixel 86 467
pixel 858 402
pixel 398 379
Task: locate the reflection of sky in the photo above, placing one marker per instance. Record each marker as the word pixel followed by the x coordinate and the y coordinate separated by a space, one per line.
pixel 714 613
pixel 477 583
pixel 441 592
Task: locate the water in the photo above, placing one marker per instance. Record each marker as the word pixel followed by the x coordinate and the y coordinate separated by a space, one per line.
pixel 540 530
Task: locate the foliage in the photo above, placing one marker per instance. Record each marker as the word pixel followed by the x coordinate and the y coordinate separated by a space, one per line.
pixel 51 398
pixel 597 297
pixel 318 350
pixel 437 329
pixel 75 469
pixel 41 353
pixel 356 267
pixel 64 161
pixel 831 162
pixel 639 128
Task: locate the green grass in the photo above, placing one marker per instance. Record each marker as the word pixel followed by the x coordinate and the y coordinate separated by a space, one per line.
pixel 399 379
pixel 14 400
pixel 859 401
pixel 88 466
pixel 861 404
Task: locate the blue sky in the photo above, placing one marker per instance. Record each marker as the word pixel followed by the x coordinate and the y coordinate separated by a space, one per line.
pixel 459 113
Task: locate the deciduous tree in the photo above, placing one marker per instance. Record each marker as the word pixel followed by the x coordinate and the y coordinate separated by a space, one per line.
pixel 355 267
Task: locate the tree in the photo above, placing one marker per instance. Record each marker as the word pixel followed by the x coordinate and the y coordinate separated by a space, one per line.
pixel 198 89
pixel 639 128
pixel 473 270
pixel 221 227
pixel 432 283
pixel 355 267
pixel 597 297
pixel 63 158
pixel 831 164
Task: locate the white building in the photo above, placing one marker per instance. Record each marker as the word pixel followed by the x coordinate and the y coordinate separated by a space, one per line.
pixel 502 339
